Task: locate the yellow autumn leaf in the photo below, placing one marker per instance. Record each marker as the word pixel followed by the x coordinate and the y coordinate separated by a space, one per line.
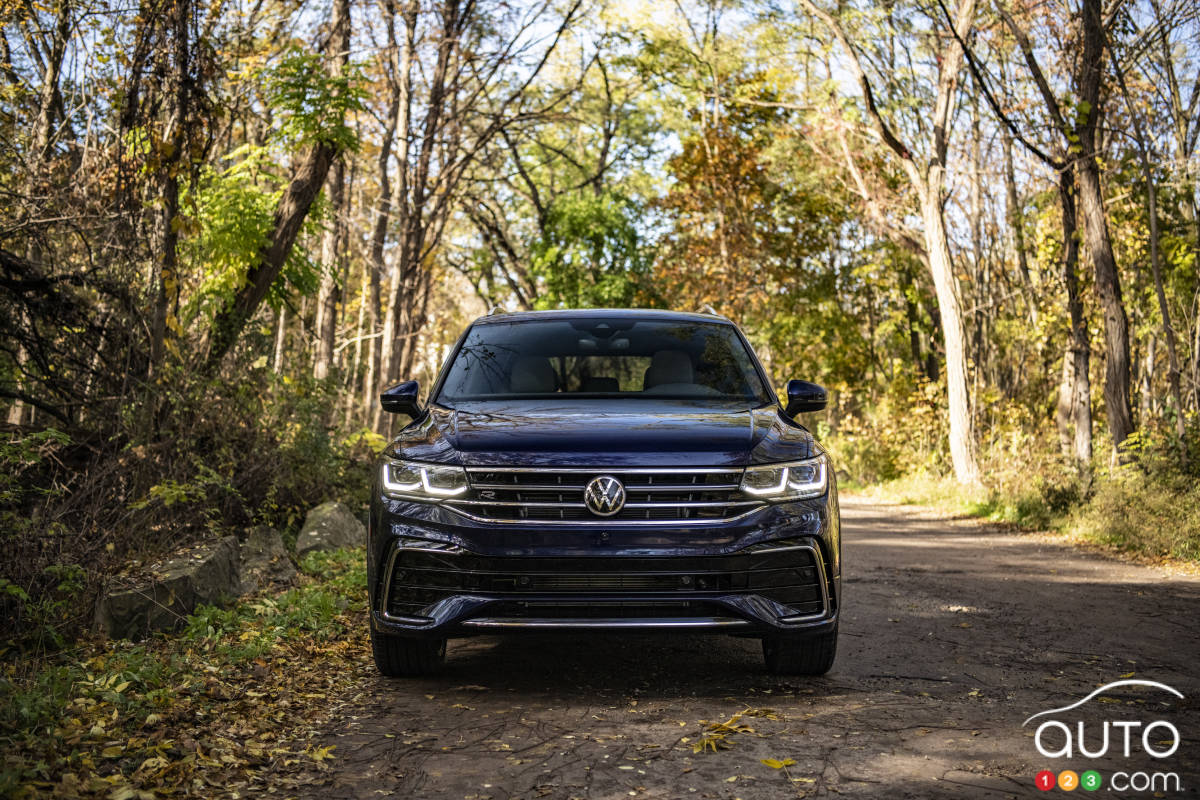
pixel 775 763
pixel 321 753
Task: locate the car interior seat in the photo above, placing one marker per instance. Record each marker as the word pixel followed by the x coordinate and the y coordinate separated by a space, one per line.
pixel 668 367
pixel 533 375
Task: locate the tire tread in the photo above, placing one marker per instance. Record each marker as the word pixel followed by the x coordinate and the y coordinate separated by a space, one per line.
pixel 398 657
pixel 801 657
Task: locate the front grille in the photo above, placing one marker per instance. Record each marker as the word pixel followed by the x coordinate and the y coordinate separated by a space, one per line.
pixel 663 496
pixel 420 578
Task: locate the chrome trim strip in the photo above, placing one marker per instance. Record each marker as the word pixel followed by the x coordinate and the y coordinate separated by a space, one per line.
pixel 768 549
pixel 822 581
pixel 387 587
pixel 680 504
pixel 614 622
pixel 730 506
pixel 653 487
pixel 609 522
pixel 427 546
pixel 604 470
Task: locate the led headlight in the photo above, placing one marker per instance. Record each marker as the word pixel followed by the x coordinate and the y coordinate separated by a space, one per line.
pixel 416 481
pixel 792 481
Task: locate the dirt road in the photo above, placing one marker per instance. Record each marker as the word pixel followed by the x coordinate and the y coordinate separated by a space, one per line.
pixel 953 634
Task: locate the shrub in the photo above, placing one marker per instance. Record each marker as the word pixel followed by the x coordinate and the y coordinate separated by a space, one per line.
pixel 187 459
pixel 1151 513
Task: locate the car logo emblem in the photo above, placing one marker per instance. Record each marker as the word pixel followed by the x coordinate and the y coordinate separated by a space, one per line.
pixel 604 496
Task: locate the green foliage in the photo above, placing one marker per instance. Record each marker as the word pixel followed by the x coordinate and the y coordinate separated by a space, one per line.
pixel 34 596
pixel 591 253
pixel 315 106
pixel 344 570
pixel 251 628
pixel 233 216
pixel 1142 512
pixel 227 454
pixel 20 454
pixel 905 432
pixel 1147 505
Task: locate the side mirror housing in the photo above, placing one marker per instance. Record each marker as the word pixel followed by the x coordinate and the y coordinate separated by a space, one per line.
pixel 401 399
pixel 804 396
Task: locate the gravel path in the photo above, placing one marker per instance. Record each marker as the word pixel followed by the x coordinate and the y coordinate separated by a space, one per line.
pixel 953 633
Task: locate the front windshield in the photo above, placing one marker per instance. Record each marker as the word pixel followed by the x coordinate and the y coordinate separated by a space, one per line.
pixel 600 356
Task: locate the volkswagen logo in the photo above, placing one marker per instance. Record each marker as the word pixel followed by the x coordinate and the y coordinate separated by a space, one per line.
pixel 604 496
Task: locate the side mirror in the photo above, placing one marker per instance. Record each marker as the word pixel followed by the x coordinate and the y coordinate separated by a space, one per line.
pixel 401 399
pixel 804 396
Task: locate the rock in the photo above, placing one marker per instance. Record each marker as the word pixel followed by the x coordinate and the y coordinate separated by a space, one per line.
pixel 265 562
pixel 162 598
pixel 330 526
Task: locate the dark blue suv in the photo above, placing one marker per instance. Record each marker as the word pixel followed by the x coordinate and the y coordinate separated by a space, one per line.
pixel 618 470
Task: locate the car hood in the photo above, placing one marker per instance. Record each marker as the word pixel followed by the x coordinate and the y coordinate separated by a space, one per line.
pixel 604 433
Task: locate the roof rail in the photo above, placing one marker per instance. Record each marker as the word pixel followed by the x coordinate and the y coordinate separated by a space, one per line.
pixel 707 309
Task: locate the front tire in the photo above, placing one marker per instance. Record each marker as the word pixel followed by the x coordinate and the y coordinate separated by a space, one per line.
pixel 796 656
pixel 400 657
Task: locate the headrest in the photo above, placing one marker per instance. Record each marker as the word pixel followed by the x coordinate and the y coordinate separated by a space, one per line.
pixel 669 366
pixel 533 375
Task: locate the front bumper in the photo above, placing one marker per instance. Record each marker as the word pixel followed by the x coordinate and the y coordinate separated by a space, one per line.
pixel 436 575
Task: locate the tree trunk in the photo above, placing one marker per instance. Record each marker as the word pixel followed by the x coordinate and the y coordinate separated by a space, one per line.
pixel 962 444
pixel 982 293
pixel 400 206
pixel 280 339
pixel 352 373
pixel 1151 196
pixel 290 214
pixel 1080 400
pixel 1091 199
pixel 369 401
pixel 1065 407
pixel 1108 289
pixel 376 264
pixel 43 126
pixel 337 59
pixel 930 186
pixel 910 311
pixel 166 279
pixel 327 295
pixel 928 181
pixel 1016 224
pixel 16 411
pixel 1146 404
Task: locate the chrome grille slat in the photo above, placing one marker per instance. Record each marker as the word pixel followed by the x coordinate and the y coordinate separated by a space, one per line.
pixel 684 504
pixel 654 495
pixel 554 487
